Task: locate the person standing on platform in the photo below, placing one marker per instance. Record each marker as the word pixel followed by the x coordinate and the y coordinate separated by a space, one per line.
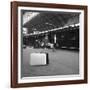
pixel 46 41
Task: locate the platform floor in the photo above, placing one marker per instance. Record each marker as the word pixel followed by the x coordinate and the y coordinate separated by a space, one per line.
pixel 61 62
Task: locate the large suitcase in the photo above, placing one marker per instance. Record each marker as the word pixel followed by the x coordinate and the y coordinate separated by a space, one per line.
pixel 39 59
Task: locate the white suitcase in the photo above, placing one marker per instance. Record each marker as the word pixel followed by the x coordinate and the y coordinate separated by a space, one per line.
pixel 38 59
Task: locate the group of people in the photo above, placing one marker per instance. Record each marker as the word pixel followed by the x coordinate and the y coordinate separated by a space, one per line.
pixel 44 43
